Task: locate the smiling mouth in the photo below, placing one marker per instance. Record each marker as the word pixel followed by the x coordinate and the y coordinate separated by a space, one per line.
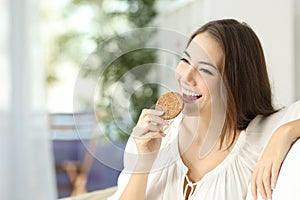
pixel 189 96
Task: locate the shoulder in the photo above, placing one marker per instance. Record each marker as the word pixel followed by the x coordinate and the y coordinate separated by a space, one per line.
pixel 273 121
pixel 292 112
pixel 261 128
pixel 262 124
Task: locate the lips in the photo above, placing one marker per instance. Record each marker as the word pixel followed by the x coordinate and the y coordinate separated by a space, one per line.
pixel 189 96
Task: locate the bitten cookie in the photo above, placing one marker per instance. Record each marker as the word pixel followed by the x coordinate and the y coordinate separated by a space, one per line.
pixel 171 103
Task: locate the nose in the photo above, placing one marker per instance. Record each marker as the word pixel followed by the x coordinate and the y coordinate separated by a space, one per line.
pixel 189 74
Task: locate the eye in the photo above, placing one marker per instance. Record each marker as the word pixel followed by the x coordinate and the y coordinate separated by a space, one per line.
pixel 206 71
pixel 185 60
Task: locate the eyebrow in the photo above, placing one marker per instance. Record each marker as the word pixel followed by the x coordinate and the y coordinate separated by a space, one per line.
pixel 209 64
pixel 185 52
pixel 202 62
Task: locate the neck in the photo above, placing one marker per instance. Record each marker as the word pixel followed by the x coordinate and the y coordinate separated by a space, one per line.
pixel 202 132
pixel 200 126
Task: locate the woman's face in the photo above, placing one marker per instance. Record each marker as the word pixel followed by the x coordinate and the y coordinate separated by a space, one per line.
pixel 198 75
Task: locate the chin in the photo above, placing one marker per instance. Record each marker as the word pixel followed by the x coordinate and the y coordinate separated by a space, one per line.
pixel 191 109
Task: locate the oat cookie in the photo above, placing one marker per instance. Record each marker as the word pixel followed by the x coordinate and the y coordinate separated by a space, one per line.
pixel 171 103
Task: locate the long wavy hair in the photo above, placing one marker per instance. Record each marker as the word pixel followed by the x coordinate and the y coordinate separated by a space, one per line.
pixel 244 75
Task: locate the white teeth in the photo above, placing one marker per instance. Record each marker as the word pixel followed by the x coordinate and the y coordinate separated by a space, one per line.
pixel 187 92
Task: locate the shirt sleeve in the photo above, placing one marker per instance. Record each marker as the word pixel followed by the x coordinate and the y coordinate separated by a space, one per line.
pixel 130 159
pixel 292 113
pixel 287 115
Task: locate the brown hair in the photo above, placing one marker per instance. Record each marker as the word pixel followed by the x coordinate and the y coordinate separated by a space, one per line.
pixel 244 74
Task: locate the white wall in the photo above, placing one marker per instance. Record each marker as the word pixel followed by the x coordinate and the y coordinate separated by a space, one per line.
pixel 273 21
pixel 297 48
pixel 182 16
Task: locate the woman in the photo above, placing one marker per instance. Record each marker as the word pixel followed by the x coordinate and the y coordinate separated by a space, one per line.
pixel 211 149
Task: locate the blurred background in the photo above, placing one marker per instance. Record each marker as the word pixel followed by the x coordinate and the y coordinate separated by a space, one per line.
pixel 71 88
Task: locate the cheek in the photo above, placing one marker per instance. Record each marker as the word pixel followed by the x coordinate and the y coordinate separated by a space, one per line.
pixel 214 88
pixel 205 84
pixel 179 71
pixel 209 84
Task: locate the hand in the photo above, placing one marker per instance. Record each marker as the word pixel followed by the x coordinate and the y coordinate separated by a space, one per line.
pixel 267 169
pixel 149 130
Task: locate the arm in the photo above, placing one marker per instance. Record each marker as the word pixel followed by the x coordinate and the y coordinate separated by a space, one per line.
pixel 267 169
pixel 147 136
pixel 137 184
pixel 136 187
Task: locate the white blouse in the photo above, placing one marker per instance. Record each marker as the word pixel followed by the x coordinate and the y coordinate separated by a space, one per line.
pixel 227 181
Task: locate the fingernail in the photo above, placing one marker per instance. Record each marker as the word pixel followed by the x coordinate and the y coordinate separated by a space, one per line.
pixel 166 122
pixel 161 112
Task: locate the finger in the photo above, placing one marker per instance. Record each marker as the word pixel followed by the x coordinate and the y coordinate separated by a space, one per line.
pixel 267 181
pixel 141 131
pixel 148 115
pixel 156 135
pixel 259 183
pixel 154 127
pixel 155 119
pixel 152 112
pixel 253 184
pixel 152 135
pixel 275 172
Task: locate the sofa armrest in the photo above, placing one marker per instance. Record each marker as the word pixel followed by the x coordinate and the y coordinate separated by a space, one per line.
pixel 288 183
pixel 96 195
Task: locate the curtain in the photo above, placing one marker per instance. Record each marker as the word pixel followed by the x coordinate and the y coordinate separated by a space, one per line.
pixel 26 162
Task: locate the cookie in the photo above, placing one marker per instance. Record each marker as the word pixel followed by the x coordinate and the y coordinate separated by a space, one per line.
pixel 171 103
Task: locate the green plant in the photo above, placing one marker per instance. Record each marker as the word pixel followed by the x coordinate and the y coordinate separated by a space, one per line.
pixel 106 26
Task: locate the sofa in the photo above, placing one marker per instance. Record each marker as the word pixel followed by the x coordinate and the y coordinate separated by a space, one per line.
pixel 96 195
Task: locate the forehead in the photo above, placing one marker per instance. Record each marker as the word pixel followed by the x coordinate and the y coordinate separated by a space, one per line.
pixel 205 47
